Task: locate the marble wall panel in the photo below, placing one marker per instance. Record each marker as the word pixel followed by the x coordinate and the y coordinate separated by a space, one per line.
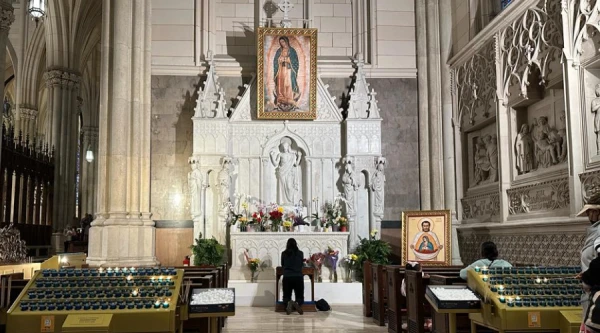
pixel 173 102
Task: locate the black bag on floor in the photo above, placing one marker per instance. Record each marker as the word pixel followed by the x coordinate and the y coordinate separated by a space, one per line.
pixel 322 305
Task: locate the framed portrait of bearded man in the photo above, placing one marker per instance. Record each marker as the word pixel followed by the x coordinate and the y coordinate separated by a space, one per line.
pixel 287 73
pixel 426 237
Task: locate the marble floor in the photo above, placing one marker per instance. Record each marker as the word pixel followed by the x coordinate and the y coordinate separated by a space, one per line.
pixel 346 318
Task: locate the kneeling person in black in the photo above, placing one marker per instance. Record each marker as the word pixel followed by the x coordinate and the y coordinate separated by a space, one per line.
pixel 292 261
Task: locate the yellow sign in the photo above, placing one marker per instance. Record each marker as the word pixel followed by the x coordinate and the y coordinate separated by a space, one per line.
pixel 47 324
pixel 534 319
pixel 82 321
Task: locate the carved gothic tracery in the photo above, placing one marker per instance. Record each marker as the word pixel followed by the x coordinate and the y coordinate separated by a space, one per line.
pixel 475 84
pixel 530 44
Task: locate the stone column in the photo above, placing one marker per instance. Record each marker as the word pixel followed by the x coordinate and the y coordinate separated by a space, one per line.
pixel 89 171
pixel 123 233
pixel 7 17
pixel 62 87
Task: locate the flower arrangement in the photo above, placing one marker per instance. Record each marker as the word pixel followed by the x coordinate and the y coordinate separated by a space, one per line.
pixel 287 225
pixel 300 220
pixel 333 257
pixel 276 217
pixel 332 213
pixel 372 249
pixel 316 260
pixel 351 262
pixel 253 264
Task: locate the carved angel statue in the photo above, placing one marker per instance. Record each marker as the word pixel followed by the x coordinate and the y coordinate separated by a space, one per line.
pixel 595 108
pixel 378 186
pixel 195 187
pixel 288 174
pixel 350 185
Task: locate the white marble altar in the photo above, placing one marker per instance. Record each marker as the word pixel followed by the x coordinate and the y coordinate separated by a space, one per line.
pixel 267 246
pixel 287 162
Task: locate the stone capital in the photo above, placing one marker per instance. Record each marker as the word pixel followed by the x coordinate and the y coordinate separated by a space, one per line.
pixel 63 78
pixel 28 113
pixel 7 17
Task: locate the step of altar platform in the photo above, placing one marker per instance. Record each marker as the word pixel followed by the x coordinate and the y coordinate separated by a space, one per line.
pixel 306 307
pixel 262 293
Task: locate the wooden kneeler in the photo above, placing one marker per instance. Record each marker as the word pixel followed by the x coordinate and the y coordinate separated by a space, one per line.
pixel 308 306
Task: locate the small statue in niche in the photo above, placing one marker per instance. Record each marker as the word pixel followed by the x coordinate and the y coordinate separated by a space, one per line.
pixel 524 150
pixel 491 146
pixel 482 162
pixel 224 180
pixel 595 110
pixel 195 187
pixel 378 186
pixel 548 143
pixel 350 186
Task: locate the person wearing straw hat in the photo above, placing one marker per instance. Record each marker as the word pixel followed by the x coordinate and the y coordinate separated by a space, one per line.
pixel 590 280
pixel 588 252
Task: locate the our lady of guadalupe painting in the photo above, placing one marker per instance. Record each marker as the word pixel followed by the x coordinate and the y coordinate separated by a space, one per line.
pixel 426 238
pixel 287 73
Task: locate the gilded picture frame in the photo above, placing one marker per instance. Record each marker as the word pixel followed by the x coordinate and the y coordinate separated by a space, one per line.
pixel 427 237
pixel 286 73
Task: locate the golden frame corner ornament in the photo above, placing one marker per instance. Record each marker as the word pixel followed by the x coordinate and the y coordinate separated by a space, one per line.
pixel 303 114
pixel 446 239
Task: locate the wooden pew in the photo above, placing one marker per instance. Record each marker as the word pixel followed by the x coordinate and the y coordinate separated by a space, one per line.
pixel 415 298
pixel 367 289
pixel 396 310
pixel 379 276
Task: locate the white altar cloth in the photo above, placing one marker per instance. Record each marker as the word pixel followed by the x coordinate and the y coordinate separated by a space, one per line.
pixel 267 246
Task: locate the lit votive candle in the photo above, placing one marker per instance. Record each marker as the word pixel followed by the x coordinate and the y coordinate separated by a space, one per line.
pixel 502 299
pixel 545 280
pixel 135 293
pixel 157 304
pixel 129 279
pixel 484 270
pixel 538 280
pixel 165 304
pixel 484 278
pixel 477 269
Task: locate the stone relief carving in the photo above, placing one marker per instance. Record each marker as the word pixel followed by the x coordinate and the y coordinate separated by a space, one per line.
pixel 57 77
pixel 550 144
pixel 475 85
pixel 530 43
pixel 378 187
pixel 350 185
pixel 565 249
pixel 195 183
pixel 7 17
pixel 590 184
pixel 481 206
pixel 486 160
pixel 287 162
pixel 541 197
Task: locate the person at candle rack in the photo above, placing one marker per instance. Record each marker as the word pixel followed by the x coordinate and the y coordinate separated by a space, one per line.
pixel 414 266
pixel 292 260
pixel 489 254
pixel 590 279
pixel 588 252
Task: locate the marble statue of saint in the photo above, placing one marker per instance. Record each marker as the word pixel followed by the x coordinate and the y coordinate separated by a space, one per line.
pixel 195 186
pixel 224 180
pixel 524 150
pixel 288 175
pixel 545 147
pixel 377 186
pixel 595 109
pixel 350 186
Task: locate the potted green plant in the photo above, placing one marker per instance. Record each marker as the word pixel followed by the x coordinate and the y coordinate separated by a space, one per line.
pixel 373 250
pixel 207 252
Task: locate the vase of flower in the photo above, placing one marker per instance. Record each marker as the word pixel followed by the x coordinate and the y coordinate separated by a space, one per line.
pixel 343 224
pixel 250 228
pixel 254 277
pixel 343 228
pixel 335 228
